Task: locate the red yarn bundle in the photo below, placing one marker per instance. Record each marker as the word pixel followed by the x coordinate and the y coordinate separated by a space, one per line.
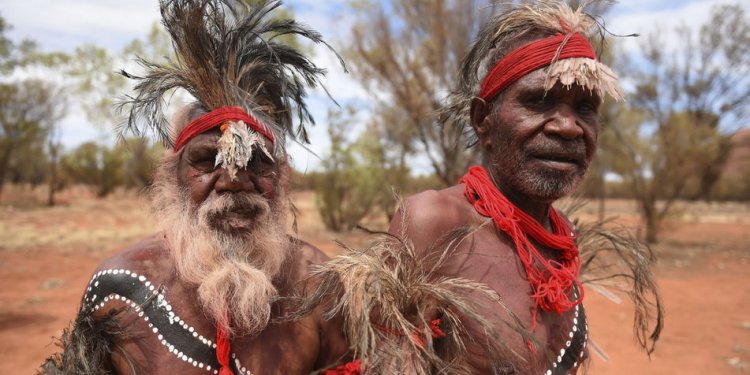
pixel 551 280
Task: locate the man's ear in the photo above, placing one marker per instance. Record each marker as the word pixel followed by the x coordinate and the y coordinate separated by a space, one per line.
pixel 480 121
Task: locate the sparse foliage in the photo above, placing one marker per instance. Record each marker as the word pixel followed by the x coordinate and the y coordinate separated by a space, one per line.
pixel 28 111
pixel 141 158
pixel 408 52
pixel 678 148
pixel 93 77
pixel 130 163
pixel 95 165
pixel 353 180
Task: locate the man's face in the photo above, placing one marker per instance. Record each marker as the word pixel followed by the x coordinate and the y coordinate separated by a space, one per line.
pixel 225 237
pixel 541 144
pixel 233 206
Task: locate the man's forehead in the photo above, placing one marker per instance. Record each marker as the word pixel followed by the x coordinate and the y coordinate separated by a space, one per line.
pixel 538 80
pixel 534 79
pixel 209 138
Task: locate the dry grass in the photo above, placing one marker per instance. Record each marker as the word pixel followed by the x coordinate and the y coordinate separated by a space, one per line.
pixel 79 221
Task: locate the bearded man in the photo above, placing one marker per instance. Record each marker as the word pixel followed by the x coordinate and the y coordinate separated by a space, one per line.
pixel 484 277
pixel 202 297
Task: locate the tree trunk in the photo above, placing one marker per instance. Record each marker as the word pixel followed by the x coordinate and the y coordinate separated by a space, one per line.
pixel 602 195
pixel 651 220
pixel 711 173
pixel 53 151
pixel 4 160
pixel 51 192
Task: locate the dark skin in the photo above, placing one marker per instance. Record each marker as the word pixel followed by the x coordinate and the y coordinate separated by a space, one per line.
pixel 197 172
pixel 296 347
pixel 546 136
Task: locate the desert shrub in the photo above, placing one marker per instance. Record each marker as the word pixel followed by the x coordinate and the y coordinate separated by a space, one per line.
pixel 351 182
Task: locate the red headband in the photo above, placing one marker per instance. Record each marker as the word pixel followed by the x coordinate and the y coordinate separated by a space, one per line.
pixel 530 57
pixel 216 118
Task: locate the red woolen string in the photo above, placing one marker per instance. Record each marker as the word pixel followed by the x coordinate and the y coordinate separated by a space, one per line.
pixel 532 56
pixel 350 368
pixel 214 119
pixel 355 367
pixel 551 280
pixel 435 331
pixel 223 347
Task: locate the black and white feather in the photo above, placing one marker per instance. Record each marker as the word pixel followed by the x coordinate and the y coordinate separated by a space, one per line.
pixel 227 53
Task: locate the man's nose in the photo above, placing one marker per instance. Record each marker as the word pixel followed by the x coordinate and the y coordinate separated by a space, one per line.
pixel 241 182
pixel 564 123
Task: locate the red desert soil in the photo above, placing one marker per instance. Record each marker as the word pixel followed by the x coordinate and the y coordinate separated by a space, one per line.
pixel 48 254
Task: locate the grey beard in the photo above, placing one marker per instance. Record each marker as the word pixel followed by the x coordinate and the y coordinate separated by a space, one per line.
pixel 548 184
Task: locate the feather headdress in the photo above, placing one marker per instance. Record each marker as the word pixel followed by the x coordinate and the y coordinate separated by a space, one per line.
pixel 512 29
pixel 230 55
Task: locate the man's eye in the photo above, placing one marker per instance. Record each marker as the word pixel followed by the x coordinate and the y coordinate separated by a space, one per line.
pixel 587 107
pixel 206 161
pixel 261 163
pixel 203 160
pixel 536 101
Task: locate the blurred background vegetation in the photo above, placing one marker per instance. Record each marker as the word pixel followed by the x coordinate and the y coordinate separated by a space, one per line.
pixel 681 135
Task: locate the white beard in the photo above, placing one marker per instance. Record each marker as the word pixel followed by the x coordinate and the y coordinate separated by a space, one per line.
pixel 233 271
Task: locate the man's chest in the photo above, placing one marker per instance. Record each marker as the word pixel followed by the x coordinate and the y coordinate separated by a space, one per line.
pixel 494 261
pixel 164 332
pixel 288 348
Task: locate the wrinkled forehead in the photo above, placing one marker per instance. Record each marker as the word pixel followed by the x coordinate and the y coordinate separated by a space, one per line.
pixel 538 81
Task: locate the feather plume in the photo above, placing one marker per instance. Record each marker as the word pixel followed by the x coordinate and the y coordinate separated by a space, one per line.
pixel 228 54
pixel 236 147
pixel 87 347
pixel 613 261
pixel 590 74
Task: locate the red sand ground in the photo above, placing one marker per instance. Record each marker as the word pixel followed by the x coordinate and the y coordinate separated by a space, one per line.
pixel 703 273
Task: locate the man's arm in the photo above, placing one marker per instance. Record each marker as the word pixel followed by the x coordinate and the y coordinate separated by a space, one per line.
pixel 87 346
pixel 95 341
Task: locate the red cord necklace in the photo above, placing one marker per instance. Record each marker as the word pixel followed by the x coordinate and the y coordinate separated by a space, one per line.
pixel 551 280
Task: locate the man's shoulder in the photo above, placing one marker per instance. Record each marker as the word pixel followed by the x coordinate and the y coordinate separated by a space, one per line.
pixel 302 259
pixel 427 216
pixel 307 253
pixel 442 209
pixel 128 278
pixel 147 256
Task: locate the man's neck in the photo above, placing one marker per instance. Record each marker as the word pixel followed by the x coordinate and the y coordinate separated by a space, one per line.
pixel 537 209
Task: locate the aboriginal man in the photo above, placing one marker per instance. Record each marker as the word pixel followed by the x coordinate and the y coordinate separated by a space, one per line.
pixel 203 296
pixel 484 277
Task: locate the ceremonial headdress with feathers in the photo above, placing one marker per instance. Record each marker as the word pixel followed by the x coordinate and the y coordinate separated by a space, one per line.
pixel 509 32
pixel 230 58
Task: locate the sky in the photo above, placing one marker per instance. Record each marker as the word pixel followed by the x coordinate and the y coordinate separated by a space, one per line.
pixel 64 25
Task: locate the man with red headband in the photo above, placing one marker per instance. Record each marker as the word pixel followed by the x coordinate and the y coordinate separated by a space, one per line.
pixel 484 277
pixel 206 295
